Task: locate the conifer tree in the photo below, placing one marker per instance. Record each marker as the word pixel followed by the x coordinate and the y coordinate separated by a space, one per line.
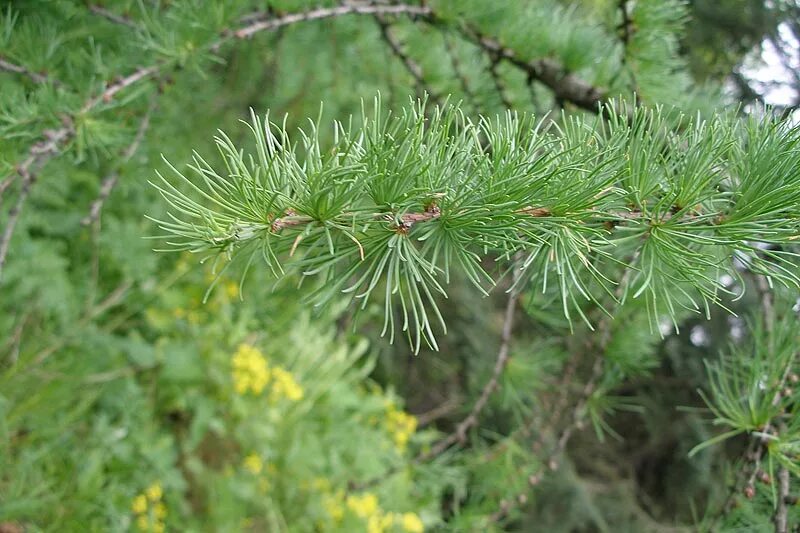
pixel 541 227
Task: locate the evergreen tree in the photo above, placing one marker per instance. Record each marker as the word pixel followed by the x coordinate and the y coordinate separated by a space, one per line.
pixel 552 236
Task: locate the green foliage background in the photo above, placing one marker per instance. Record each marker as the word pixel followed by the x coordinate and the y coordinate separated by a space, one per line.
pixel 117 382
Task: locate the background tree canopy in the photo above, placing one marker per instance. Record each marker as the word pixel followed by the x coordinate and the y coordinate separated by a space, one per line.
pixel 588 196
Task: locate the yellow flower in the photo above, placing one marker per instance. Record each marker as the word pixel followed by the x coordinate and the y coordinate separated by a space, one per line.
pixel 143 523
pixel 333 506
pixel 253 463
pixel 363 506
pixel 139 505
pixel 154 492
pixel 232 289
pixel 375 524
pixel 250 370
pixel 285 386
pixel 160 511
pixel 321 484
pixel 158 527
pixel 378 523
pixel 400 426
pixel 412 523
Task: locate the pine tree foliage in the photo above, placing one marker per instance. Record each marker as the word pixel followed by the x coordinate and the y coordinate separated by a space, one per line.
pixel 397 203
pixel 550 180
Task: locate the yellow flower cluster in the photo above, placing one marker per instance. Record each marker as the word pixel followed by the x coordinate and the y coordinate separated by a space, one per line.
pixel 251 373
pixel 231 289
pixel 332 503
pixel 400 425
pixel 253 463
pixel 284 386
pixel 365 506
pixel 411 523
pixel 150 511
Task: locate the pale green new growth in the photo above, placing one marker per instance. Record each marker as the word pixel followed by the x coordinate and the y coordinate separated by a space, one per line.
pixel 399 201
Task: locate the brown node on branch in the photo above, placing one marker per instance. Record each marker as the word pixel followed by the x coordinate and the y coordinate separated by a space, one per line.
pixel 536 211
pixel 407 220
pixel 279 223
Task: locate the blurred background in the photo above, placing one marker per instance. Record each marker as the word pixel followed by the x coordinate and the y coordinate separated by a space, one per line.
pixel 129 404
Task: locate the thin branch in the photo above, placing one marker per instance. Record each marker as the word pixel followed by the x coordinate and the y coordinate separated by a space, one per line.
pixel 498 81
pixel 601 340
pixel 551 461
pixel 503 357
pixel 112 17
pixel 39 153
pixel 757 447
pixel 444 409
pixel 34 76
pixel 626 30
pixel 564 85
pixel 51 143
pixel 323 13
pixel 111 180
pixel 411 66
pixel 142 73
pixel 460 76
pixel 626 27
pixel 782 509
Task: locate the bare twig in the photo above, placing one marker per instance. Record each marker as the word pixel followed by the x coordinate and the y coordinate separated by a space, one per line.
pixel 758 446
pixel 411 66
pixel 142 73
pixel 551 461
pixel 51 143
pixel 112 299
pixel 498 81
pixel 782 509
pixel 444 409
pixel 322 13
pixel 111 180
pixel 460 76
pixel 503 357
pixel 564 85
pixel 39 153
pixel 34 76
pixel 111 16
pixel 601 340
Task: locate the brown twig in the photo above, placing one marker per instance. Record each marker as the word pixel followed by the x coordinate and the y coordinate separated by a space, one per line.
pixel 564 85
pixel 460 76
pixel 757 446
pixel 410 65
pixel 551 461
pixel 34 76
pixel 112 17
pixel 51 143
pixel 498 81
pixel 140 74
pixel 111 180
pixel 603 338
pixel 111 300
pixel 39 153
pixel 459 435
pixel 782 509
pixel 330 12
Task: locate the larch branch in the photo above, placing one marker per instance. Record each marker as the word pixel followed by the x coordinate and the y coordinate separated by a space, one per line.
pixel 503 357
pixel 410 65
pixel 37 77
pixel 330 12
pixel 111 180
pixel 111 16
